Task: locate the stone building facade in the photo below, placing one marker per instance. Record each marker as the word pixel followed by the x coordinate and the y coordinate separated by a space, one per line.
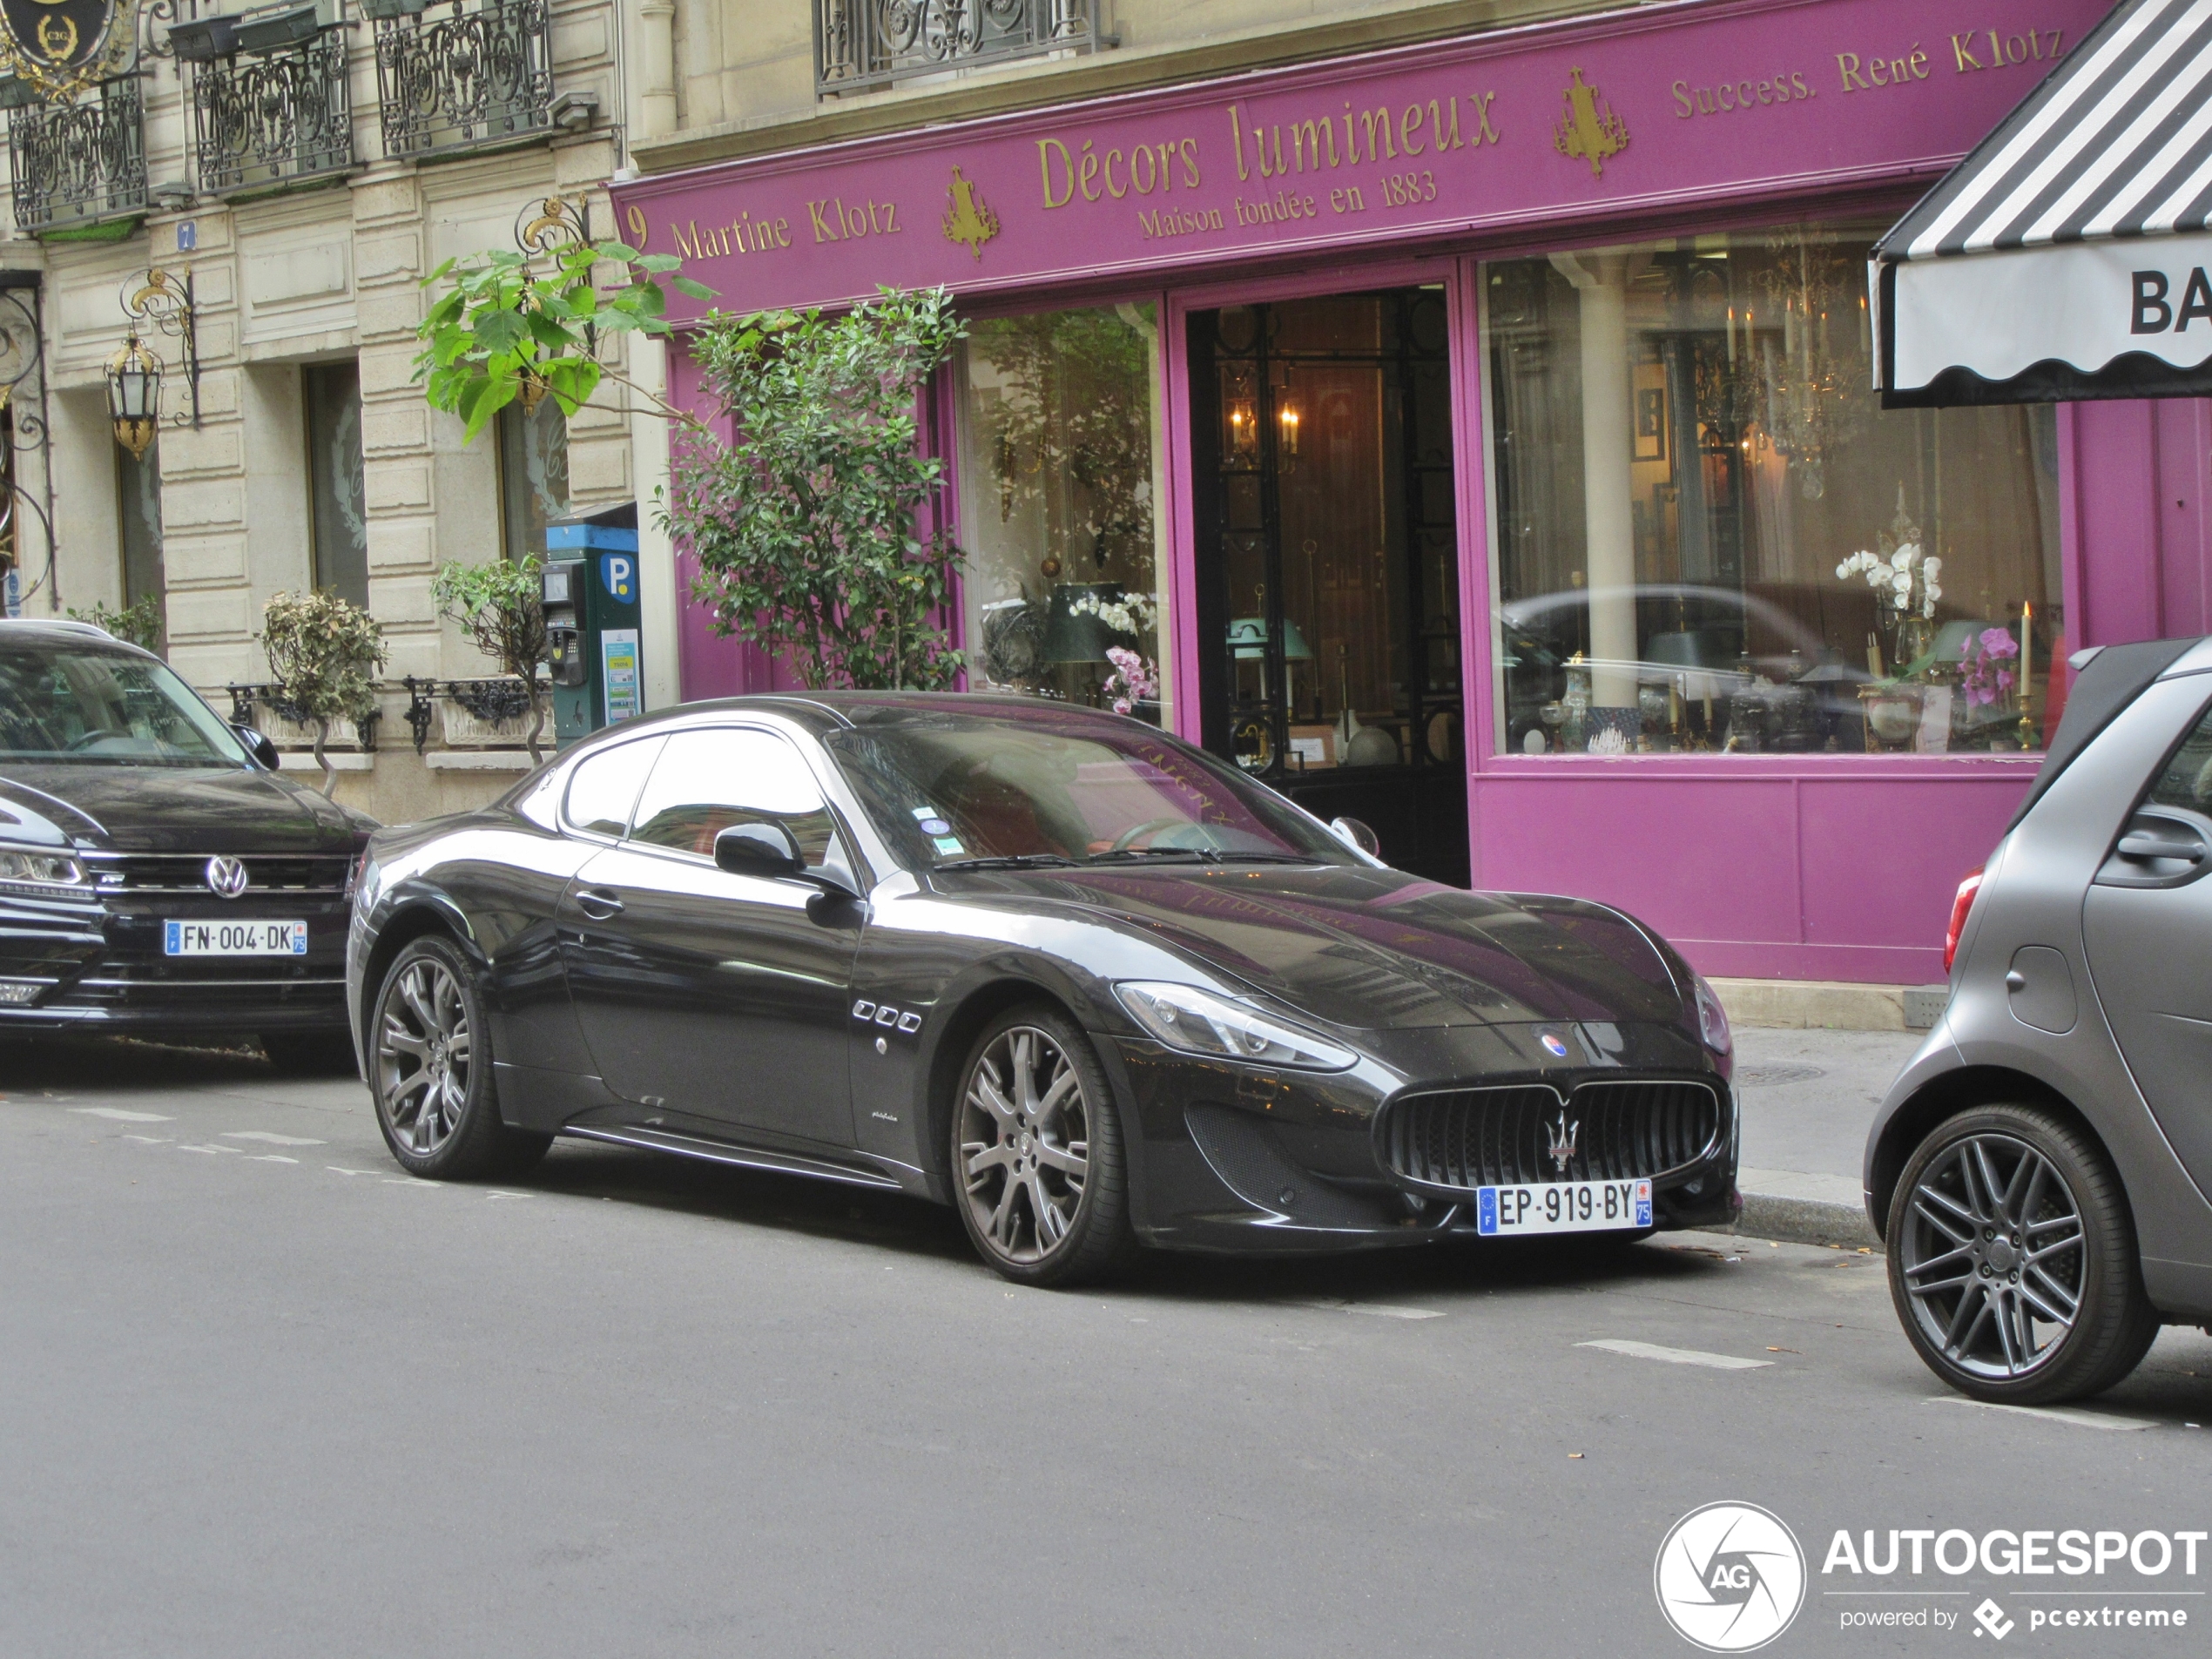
pixel 305 188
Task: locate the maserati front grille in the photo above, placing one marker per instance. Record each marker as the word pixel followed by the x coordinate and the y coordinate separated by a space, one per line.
pixel 1464 1138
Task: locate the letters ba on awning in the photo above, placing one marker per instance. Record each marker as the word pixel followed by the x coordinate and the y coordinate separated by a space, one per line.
pixel 2068 256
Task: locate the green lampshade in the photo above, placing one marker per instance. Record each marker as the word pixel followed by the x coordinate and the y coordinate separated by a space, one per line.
pixel 1249 635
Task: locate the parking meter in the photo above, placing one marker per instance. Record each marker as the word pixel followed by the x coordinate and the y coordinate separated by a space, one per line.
pixel 592 620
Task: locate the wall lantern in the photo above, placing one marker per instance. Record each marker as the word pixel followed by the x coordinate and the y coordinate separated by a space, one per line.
pixel 134 396
pixel 164 301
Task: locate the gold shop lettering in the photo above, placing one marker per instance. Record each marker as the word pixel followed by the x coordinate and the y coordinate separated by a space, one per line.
pixel 1730 96
pixel 1388 133
pixel 1882 71
pixel 744 234
pixel 836 222
pixel 1985 49
pixel 1138 169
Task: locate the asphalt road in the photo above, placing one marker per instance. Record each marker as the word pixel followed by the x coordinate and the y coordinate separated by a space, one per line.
pixel 264 1395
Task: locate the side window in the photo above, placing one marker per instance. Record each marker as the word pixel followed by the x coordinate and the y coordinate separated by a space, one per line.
pixel 603 787
pixel 2187 781
pixel 708 780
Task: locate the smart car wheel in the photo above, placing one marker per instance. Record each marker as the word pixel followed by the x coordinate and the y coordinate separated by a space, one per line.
pixel 2013 1259
pixel 1037 1152
pixel 430 1068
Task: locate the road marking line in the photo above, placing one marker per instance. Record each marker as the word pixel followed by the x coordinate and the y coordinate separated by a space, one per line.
pixel 265 1136
pixel 2054 1413
pixel 496 1193
pixel 1380 1310
pixel 410 1181
pixel 1677 1356
pixel 210 1150
pixel 271 1157
pixel 335 1169
pixel 150 1139
pixel 120 1115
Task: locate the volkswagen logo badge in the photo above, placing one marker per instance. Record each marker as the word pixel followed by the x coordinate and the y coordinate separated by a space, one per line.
pixel 226 877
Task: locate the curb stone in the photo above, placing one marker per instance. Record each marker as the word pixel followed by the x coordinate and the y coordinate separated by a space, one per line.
pixel 1805 1221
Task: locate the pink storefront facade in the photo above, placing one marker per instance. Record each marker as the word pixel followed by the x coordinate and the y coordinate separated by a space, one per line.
pixel 1627 172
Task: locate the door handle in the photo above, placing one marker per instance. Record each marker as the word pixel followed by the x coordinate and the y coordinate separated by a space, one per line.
pixel 2138 845
pixel 598 904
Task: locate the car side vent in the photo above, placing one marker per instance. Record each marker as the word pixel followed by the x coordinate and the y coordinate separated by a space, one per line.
pixel 1249 1156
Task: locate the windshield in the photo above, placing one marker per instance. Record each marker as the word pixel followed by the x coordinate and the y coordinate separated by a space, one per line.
pixel 1048 789
pixel 74 704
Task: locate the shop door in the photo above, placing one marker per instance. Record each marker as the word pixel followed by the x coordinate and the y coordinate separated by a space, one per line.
pixel 1328 562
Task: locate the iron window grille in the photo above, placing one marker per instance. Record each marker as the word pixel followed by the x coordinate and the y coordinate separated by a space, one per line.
pixel 864 45
pixel 273 117
pixel 473 75
pixel 74 163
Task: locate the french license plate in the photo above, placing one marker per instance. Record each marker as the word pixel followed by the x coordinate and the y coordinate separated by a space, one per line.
pixel 1561 1207
pixel 234 938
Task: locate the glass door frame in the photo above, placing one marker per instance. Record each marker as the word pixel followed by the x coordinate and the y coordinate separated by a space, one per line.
pixel 1449 271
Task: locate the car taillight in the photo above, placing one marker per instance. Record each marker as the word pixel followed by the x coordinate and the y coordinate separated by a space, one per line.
pixel 1962 905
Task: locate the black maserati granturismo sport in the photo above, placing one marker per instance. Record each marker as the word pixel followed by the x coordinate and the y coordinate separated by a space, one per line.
pixel 1082 982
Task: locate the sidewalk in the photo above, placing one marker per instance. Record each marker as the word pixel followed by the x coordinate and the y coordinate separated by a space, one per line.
pixel 1808 1098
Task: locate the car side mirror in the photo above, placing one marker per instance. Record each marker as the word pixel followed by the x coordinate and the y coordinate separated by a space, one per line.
pixel 757 849
pixel 1357 836
pixel 259 745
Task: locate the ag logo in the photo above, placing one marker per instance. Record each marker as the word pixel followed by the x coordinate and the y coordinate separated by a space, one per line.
pixel 1730 1577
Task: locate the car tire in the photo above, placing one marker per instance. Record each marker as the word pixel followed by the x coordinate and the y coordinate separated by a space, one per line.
pixel 430 1070
pixel 2013 1262
pixel 311 1053
pixel 1038 1172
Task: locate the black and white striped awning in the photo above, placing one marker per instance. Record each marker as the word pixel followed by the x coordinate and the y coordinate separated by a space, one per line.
pixel 2067 256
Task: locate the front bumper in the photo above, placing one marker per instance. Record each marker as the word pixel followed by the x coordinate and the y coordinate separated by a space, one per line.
pixel 1233 1158
pixel 99 966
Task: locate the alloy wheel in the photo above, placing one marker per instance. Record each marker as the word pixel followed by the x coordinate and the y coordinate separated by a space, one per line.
pixel 1993 1257
pixel 423 1056
pixel 1024 1143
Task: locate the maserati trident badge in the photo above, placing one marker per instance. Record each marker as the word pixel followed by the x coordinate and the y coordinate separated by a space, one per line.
pixel 226 877
pixel 1559 1139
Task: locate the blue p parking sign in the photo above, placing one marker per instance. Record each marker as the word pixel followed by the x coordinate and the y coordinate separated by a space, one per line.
pixel 619 574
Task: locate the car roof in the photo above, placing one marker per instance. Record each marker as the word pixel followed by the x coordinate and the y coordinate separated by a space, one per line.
pixel 2107 678
pixel 57 630
pixel 825 711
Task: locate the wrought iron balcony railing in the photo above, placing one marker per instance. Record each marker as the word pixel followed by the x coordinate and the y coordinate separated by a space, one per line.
pixel 862 45
pixel 266 119
pixel 72 163
pixel 460 75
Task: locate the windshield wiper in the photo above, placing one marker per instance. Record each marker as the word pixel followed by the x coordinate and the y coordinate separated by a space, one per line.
pixel 1154 855
pixel 1011 861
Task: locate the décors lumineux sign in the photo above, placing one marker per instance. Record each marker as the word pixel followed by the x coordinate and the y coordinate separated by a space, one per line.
pixel 2083 304
pixel 61 47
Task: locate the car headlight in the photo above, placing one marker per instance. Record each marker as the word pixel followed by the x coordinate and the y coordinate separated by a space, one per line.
pixel 1712 1018
pixel 24 868
pixel 1198 1021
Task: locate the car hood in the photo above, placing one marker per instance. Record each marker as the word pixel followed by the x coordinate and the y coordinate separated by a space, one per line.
pixel 161 809
pixel 1376 949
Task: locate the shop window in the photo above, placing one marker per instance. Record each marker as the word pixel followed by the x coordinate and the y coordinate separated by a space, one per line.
pixel 332 393
pixel 1327 561
pixel 533 474
pixel 1066 580
pixel 137 481
pixel 1710 536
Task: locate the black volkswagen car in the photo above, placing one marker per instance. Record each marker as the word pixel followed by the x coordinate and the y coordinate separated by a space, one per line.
pixel 157 875
pixel 1080 979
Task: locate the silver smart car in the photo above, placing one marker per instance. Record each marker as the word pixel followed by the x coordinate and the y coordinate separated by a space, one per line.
pixel 2039 1173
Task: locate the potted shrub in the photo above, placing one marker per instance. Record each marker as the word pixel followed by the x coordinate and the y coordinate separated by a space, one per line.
pixel 324 656
pixel 499 606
